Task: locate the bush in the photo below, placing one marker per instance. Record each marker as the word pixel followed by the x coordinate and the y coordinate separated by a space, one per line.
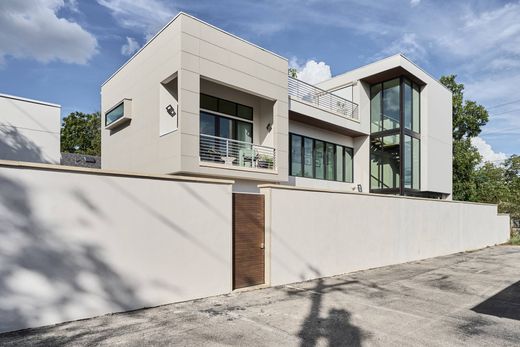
pixel 515 239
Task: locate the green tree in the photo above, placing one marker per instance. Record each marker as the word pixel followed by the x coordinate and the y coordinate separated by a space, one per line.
pixel 81 133
pixel 292 72
pixel 468 120
pixel 512 176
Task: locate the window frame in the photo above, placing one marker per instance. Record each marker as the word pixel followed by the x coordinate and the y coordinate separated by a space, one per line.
pixel 235 128
pixel 236 107
pixel 401 131
pixel 326 144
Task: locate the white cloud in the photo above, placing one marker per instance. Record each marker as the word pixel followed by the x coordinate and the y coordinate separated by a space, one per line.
pixel 407 44
pixel 130 46
pixel 144 16
pixel 32 29
pixel 312 72
pixel 414 3
pixel 487 153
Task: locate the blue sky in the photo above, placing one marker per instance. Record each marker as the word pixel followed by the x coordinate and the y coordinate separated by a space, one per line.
pixel 62 50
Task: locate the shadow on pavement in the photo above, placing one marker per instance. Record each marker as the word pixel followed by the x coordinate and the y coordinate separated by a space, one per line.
pixel 504 304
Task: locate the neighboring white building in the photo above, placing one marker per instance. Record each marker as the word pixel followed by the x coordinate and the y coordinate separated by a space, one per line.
pixel 29 130
pixel 196 100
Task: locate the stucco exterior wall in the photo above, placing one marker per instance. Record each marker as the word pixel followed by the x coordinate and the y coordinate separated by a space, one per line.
pixel 317 233
pixel 77 243
pixel 29 130
pixel 208 53
pixel 138 145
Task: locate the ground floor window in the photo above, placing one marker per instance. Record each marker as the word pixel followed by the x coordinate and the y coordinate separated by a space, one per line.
pixel 320 159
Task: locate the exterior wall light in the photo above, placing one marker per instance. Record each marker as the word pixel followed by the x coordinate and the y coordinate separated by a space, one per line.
pixel 171 110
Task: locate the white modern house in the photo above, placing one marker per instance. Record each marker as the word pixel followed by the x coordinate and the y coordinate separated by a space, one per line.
pixel 196 100
pixel 29 130
pixel 221 172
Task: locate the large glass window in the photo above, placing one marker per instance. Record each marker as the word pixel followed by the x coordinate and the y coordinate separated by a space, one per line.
pixel 308 150
pixel 391 104
pixel 296 155
pixel 407 104
pixel 339 162
pixel 329 151
pixel 375 108
pixel 416 109
pixel 349 165
pixel 385 162
pixel 220 126
pixel 416 162
pixel 395 136
pixel 319 159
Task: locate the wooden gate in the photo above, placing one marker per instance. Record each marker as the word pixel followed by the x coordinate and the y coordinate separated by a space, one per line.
pixel 248 240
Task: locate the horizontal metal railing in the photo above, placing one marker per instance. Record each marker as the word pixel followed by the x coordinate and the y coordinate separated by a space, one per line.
pixel 236 153
pixel 322 98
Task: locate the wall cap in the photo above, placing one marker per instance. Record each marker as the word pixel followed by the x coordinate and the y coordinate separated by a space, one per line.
pixel 323 190
pixel 102 172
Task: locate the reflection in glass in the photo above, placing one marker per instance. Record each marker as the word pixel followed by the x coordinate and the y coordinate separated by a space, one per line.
pixel 319 156
pixel 391 104
pixel 385 162
pixel 307 157
pixel 349 165
pixel 407 104
pixel 330 161
pixel 339 163
pixel 416 168
pixel 296 155
pixel 375 108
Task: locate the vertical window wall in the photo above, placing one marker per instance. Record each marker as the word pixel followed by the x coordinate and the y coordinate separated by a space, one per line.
pixel 319 159
pixel 395 136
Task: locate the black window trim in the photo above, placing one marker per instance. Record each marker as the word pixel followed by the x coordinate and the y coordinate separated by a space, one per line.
pixel 235 128
pixel 335 145
pixel 401 131
pixel 236 108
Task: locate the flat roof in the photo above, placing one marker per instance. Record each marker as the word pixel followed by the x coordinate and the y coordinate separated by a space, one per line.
pixel 401 55
pixel 198 20
pixel 7 96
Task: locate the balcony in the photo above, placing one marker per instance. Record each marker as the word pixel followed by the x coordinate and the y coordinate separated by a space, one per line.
pixel 323 99
pixel 233 153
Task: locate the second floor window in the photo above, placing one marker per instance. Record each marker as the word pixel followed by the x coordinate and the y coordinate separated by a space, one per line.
pixel 225 119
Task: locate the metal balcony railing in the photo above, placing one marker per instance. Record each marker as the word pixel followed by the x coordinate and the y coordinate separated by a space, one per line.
pixel 236 153
pixel 322 98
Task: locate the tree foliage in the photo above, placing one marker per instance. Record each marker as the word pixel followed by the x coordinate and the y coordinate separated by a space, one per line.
pixel 468 120
pixel 292 72
pixel 473 180
pixel 81 133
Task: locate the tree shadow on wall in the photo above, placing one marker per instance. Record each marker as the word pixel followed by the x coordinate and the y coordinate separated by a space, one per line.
pixel 42 275
pixel 16 146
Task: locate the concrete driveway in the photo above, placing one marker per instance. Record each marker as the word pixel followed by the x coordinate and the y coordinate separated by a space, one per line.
pixel 463 299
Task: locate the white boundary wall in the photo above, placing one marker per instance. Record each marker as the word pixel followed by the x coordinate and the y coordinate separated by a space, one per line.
pixel 76 243
pixel 313 233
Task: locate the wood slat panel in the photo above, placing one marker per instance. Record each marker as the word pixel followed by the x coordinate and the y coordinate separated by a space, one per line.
pixel 248 235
